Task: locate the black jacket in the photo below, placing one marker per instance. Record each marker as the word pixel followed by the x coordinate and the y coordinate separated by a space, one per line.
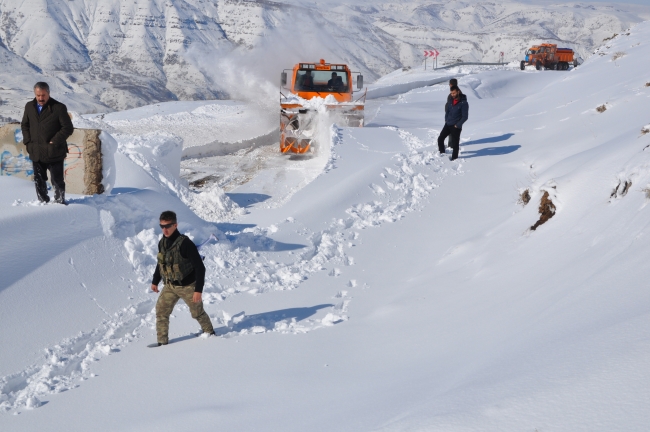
pixel 188 250
pixel 53 124
pixel 456 115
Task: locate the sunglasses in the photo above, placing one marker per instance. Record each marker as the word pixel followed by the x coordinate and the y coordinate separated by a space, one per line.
pixel 169 225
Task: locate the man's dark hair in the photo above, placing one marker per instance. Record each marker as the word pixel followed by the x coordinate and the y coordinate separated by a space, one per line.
pixel 168 215
pixel 42 86
pixel 454 87
pixel 453 82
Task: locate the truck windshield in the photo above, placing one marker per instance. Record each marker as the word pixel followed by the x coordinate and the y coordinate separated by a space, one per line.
pixel 531 51
pixel 322 81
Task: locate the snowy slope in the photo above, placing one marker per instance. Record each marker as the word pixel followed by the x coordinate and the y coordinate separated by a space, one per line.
pixel 101 55
pixel 394 291
pixel 201 127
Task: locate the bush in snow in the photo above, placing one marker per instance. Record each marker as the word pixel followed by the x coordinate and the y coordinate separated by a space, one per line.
pixel 622 189
pixel 546 210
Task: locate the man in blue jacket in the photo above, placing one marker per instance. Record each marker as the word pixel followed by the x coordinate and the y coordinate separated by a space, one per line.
pixel 456 113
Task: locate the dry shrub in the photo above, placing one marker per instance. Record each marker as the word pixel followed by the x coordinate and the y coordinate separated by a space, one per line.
pixel 202 182
pixel 617 55
pixel 621 189
pixel 546 211
pixel 645 130
pixel 647 84
pixel 524 197
pixel 610 38
pixel 647 192
pixel 602 108
pixel 626 188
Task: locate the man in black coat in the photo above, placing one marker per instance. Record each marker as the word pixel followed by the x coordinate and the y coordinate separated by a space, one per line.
pixel 456 113
pixel 46 126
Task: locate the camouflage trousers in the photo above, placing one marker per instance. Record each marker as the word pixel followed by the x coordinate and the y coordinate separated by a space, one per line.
pixel 169 296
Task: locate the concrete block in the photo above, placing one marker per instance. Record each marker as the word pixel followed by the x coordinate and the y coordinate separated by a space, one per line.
pixel 82 167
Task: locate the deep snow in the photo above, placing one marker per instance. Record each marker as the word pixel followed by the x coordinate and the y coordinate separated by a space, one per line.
pixel 394 290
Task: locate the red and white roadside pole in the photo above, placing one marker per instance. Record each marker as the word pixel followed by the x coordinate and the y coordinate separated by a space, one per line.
pixel 431 53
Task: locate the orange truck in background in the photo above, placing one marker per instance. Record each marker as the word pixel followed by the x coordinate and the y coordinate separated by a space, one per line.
pixel 549 56
pixel 312 80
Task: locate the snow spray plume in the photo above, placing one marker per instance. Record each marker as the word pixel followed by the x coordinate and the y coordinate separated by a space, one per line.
pixel 253 75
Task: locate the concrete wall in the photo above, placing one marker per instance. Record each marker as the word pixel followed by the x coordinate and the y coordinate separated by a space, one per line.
pixel 83 166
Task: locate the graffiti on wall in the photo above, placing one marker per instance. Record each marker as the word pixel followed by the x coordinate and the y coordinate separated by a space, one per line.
pixel 73 163
pixel 15 161
pixel 11 164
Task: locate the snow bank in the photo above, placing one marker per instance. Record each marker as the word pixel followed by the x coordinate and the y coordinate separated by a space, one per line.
pixel 402 81
pixel 109 170
pixel 196 124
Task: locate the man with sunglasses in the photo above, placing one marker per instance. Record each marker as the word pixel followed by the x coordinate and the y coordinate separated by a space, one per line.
pixel 181 268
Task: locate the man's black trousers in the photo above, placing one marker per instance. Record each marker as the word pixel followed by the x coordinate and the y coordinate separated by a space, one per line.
pixel 56 178
pixel 454 139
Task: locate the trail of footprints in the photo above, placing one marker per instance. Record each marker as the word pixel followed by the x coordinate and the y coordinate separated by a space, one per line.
pixel 234 269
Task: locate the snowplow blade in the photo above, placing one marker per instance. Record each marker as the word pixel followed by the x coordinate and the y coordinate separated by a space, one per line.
pixel 290 144
pixel 298 124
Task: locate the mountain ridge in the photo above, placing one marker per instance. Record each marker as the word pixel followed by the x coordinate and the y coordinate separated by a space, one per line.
pixel 101 56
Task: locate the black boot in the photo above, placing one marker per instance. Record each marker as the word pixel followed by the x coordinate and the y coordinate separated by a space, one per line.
pixel 59 197
pixel 40 178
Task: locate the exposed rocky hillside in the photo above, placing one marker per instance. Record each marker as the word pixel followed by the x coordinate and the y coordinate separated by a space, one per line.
pixel 111 54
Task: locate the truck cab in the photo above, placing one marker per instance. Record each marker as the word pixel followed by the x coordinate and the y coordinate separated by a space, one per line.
pixel 531 52
pixel 333 82
pixel 310 80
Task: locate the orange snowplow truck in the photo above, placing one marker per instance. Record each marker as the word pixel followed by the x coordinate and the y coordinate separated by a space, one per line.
pixel 299 116
pixel 549 56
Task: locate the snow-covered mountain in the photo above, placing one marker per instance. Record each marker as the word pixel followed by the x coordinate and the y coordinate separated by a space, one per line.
pixel 114 54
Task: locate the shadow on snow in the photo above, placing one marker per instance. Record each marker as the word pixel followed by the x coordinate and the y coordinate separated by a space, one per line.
pixel 490 151
pixel 269 319
pixel 488 140
pixel 246 200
